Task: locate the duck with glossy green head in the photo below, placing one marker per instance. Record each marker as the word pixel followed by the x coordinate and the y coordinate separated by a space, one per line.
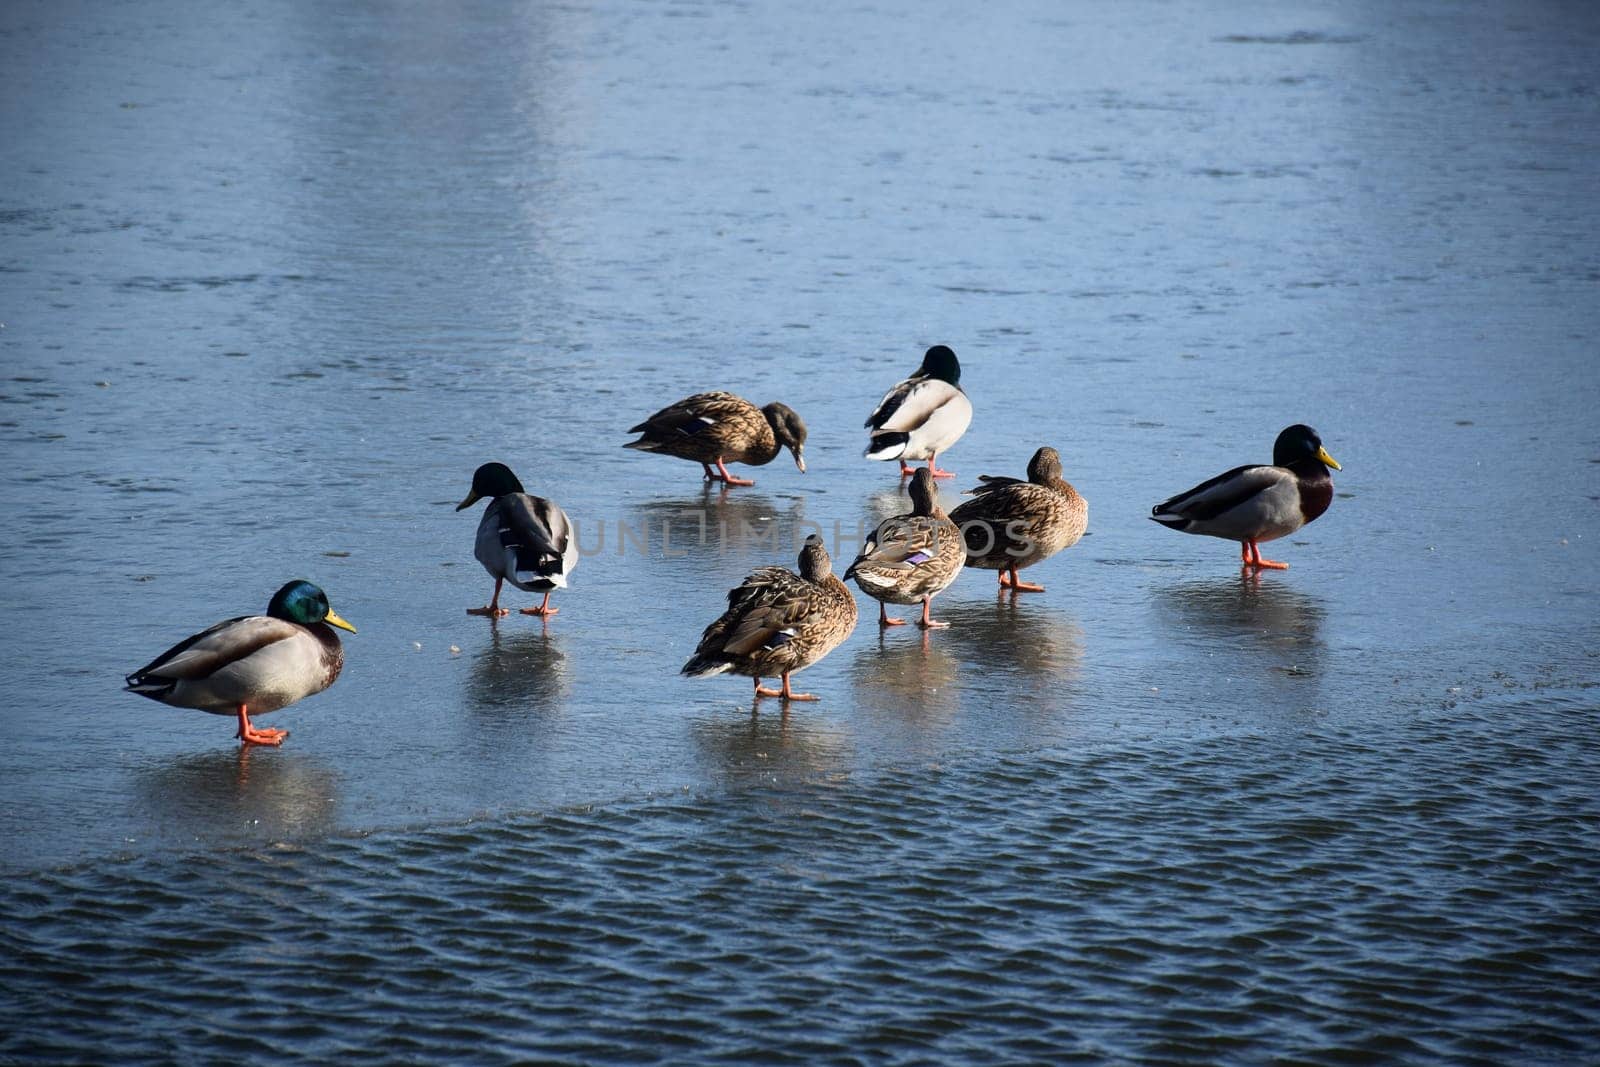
pixel 254 662
pixel 1252 504
pixel 778 623
pixel 911 558
pixel 923 415
pixel 522 539
pixel 721 428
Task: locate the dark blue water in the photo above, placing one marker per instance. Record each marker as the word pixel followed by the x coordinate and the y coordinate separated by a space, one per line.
pixel 275 278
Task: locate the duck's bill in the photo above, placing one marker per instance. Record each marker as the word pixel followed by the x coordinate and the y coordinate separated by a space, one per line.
pixel 472 498
pixel 333 620
pixel 1322 454
pixel 800 461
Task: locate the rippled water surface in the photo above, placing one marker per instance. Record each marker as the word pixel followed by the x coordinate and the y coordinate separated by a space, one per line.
pixel 275 278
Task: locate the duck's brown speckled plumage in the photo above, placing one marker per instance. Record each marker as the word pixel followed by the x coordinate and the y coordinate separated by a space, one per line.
pixel 709 427
pixel 778 622
pixel 1012 523
pixel 911 558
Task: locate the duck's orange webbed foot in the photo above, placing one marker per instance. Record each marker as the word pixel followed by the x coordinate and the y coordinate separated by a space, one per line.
pixel 1016 584
pixel 1252 558
pixel 730 479
pixel 544 610
pixel 763 691
pixel 789 694
pixel 905 471
pixel 927 623
pixel 933 469
pixel 491 611
pixel 883 617
pixel 251 735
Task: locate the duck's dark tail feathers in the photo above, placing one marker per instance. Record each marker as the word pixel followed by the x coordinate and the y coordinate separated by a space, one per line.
pixel 890 445
pixel 702 666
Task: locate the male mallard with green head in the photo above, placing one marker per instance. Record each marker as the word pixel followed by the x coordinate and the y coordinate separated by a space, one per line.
pixel 1252 504
pixel 778 623
pixel 911 557
pixel 1009 524
pixel 720 428
pixel 522 539
pixel 923 415
pixel 264 662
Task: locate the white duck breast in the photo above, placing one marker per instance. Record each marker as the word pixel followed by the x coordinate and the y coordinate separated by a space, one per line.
pixel 528 541
pixel 918 419
pixel 1245 504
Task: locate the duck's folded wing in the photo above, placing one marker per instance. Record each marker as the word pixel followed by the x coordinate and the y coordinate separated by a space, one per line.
pixel 690 416
pixel 536 532
pixel 772 617
pixel 211 650
pixel 900 544
pixel 989 483
pixel 1221 494
pixel 911 404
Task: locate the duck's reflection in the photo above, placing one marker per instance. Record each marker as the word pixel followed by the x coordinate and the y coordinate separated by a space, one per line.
pixel 1259 620
pixel 770 743
pixel 1016 643
pixel 738 523
pixel 521 669
pixel 243 793
pixel 908 673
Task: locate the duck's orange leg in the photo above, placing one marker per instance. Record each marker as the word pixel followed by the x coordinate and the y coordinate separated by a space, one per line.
pixel 1257 561
pixel 905 471
pixel 1017 583
pixel 933 468
pixel 730 479
pixel 543 609
pixel 883 616
pixel 493 608
pixel 761 692
pixel 252 736
pixel 789 694
pixel 927 623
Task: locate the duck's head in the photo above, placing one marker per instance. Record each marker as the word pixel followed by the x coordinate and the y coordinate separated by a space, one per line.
pixel 924 493
pixel 1298 443
pixel 814 562
pixel 789 429
pixel 940 362
pixel 1045 467
pixel 491 480
pixel 300 601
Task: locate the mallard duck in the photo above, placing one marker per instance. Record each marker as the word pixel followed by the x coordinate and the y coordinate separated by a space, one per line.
pixel 778 623
pixel 921 416
pixel 1009 524
pixel 264 662
pixel 522 539
pixel 1254 504
pixel 911 557
pixel 720 428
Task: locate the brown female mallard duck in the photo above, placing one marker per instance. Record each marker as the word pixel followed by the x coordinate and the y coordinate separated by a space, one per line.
pixel 923 415
pixel 719 428
pixel 778 623
pixel 1009 524
pixel 1254 504
pixel 911 557
pixel 522 539
pixel 265 662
